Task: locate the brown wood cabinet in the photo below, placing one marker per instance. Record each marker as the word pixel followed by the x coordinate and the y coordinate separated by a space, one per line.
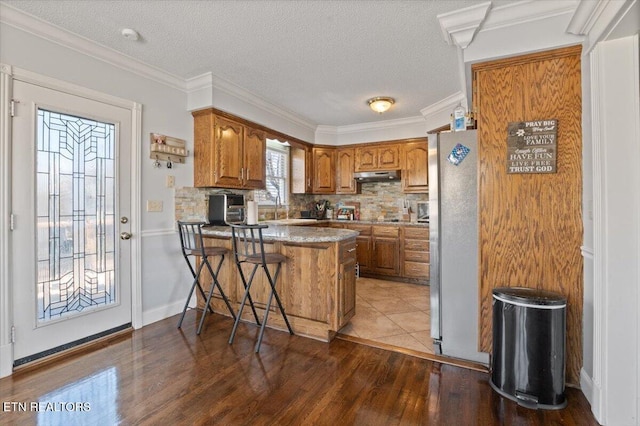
pixel 415 253
pixel 324 175
pixel 397 252
pixel 301 162
pixel 377 157
pixel 415 173
pixel 345 183
pixel 227 154
pixel 385 250
pixel 363 246
pixel 316 286
pixel 346 296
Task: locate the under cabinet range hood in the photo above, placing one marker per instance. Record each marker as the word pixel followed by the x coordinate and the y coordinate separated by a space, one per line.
pixel 390 175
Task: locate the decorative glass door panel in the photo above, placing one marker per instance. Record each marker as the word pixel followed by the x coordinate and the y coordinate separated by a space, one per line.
pixel 71 184
pixel 76 213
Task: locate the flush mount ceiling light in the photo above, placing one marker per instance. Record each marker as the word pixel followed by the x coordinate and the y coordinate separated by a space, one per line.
pixel 380 103
pixel 130 34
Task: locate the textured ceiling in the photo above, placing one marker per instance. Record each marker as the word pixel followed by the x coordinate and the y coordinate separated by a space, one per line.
pixel 319 59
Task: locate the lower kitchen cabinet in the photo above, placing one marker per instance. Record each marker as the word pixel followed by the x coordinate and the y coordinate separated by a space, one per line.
pixel 415 253
pixel 385 250
pixel 346 283
pixel 316 286
pixel 363 246
pixel 397 252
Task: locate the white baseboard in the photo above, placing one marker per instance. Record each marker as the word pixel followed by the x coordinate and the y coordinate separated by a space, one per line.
pixel 157 314
pixel 6 360
pixel 586 385
pixel 593 394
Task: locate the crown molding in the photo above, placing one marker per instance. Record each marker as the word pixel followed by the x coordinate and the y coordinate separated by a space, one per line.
pixel 55 34
pixel 199 82
pixel 327 130
pixel 585 16
pixel 238 92
pixel 439 114
pixel 364 127
pixel 595 19
pixel 444 105
pixel 526 11
pixel 459 27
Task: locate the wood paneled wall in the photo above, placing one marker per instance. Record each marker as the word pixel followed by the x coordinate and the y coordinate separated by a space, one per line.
pixel 531 224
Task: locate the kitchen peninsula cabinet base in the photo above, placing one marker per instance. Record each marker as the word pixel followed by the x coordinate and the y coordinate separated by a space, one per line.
pixel 316 294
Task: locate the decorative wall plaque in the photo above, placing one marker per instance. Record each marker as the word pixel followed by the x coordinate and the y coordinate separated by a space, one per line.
pixel 532 146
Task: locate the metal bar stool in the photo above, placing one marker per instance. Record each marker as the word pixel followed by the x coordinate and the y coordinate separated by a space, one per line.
pixel 248 247
pixel 193 246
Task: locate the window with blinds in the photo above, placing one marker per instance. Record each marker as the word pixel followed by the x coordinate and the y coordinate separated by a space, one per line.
pixel 277 175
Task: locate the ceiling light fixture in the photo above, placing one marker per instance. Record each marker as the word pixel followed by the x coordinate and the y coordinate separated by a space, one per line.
pixel 130 34
pixel 380 103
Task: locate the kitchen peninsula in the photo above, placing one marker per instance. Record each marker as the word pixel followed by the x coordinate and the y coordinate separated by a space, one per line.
pixel 316 284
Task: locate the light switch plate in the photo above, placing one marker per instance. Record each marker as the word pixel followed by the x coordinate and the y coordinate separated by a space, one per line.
pixel 154 206
pixel 171 181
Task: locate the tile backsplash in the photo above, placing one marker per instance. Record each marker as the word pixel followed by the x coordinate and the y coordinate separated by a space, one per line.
pixel 376 199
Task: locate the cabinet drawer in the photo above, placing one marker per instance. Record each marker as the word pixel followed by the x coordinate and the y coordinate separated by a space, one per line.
pixel 347 251
pixel 385 231
pixel 363 229
pixel 416 245
pixel 416 233
pixel 416 270
pixel 417 256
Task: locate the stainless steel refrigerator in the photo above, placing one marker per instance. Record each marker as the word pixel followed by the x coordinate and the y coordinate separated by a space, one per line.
pixel 453 241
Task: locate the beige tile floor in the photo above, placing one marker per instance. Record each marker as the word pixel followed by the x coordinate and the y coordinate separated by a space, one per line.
pixel 392 313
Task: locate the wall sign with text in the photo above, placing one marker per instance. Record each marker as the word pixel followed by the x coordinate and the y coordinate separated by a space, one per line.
pixel 532 146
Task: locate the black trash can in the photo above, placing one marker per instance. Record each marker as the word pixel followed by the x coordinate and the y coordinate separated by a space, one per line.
pixel 528 361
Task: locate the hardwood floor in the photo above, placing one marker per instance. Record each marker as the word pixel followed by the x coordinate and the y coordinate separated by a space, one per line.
pixel 162 375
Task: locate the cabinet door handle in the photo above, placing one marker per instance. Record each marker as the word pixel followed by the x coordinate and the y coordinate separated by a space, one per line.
pixel 247 173
pixel 351 250
pixel 241 174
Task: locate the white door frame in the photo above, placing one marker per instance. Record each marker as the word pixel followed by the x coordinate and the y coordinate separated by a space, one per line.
pixel 7 75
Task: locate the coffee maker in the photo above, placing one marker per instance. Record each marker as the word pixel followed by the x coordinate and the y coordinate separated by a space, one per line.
pixel 225 209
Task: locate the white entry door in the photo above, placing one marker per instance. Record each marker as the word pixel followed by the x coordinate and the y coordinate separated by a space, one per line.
pixel 71 257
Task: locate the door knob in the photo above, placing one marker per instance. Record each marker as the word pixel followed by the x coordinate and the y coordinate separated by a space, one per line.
pixel 125 235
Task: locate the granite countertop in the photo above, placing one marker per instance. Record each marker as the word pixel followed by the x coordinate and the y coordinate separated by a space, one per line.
pixel 290 233
pixel 377 222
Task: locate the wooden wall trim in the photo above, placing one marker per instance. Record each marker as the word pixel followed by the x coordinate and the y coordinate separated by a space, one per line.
pixel 531 224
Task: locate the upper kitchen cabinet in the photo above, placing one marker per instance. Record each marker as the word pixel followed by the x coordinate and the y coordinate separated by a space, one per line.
pixel 254 159
pixel 345 183
pixel 377 157
pixel 324 174
pixel 415 173
pixel 227 154
pixel 301 159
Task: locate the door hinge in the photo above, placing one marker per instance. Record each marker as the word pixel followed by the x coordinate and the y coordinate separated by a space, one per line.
pixel 13 107
pixel 13 334
pixel 12 222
